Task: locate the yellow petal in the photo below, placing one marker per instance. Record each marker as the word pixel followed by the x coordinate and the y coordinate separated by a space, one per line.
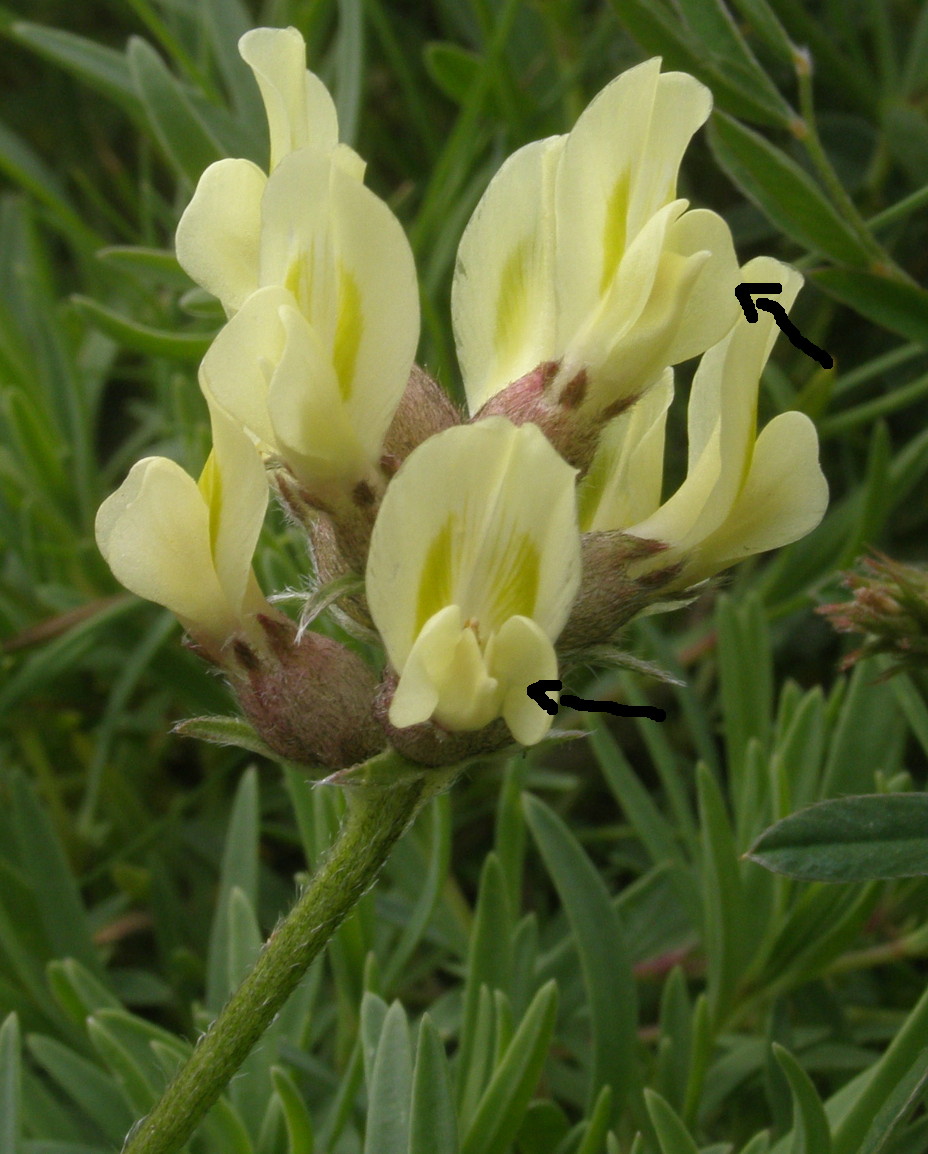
pixel 218 235
pixel 520 654
pixel 237 497
pixel 623 485
pixel 446 678
pixel 312 424
pixel 480 516
pixel 154 533
pixel 239 364
pixel 612 343
pixel 784 497
pixel 619 167
pixel 299 108
pixel 721 421
pixel 502 296
pixel 346 260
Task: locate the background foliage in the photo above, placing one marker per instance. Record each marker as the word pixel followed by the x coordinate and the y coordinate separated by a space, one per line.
pixel 567 952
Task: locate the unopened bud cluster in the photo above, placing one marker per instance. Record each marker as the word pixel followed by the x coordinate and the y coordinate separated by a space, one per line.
pixel 479 551
pixel 889 608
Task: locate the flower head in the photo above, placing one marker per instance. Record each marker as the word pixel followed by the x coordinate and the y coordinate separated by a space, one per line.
pixel 580 256
pixel 315 361
pixel 219 234
pixel 188 545
pixel 318 280
pixel 473 567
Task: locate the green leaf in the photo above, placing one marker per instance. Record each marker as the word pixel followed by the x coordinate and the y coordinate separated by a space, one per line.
pixel 657 834
pixel 86 1084
pixel 433 1125
pixel 390 1088
pixel 877 1090
pixel 373 1015
pixel 811 1132
pixel 24 168
pixel 544 1128
pixel 661 31
pixel 673 1136
pixel 10 1085
pixel 604 956
pixel 143 338
pixel 895 305
pixel 136 1086
pixel 454 69
pixel 239 871
pixel 429 891
pixel 762 19
pixel 502 1107
pixel 728 52
pixel 849 839
pixel 349 68
pixel 55 891
pixel 227 21
pixel 759 1144
pixel 77 991
pixel 182 133
pixel 595 1135
pixel 475 1068
pixel 746 702
pixel 783 191
pixel 723 898
pixel 157 266
pixel 489 961
pixel 225 731
pixel 101 68
pixel 300 1139
pixel 904 1098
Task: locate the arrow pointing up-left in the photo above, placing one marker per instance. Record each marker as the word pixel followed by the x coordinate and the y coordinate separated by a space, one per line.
pixel 747 291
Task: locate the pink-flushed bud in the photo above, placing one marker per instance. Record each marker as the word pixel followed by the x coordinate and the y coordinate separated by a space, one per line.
pixel 339 527
pixel 889 609
pixel 425 409
pixel 429 743
pixel 572 428
pixel 309 697
pixel 609 598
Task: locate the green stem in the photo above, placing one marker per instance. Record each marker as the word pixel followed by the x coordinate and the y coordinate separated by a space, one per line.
pixel 812 142
pixel 376 818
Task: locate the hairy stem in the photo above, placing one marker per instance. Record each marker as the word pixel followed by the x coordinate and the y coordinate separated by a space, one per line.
pixel 376 818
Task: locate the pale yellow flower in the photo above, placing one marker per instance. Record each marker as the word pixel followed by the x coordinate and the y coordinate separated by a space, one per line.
pixel 580 253
pixel 744 493
pixel 218 238
pixel 188 545
pixel 473 568
pixel 315 361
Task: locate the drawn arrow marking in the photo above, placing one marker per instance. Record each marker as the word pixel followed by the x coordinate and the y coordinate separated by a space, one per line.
pixel 538 691
pixel 750 303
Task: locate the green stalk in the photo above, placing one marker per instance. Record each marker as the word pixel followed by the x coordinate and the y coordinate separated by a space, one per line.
pixel 882 262
pixel 378 813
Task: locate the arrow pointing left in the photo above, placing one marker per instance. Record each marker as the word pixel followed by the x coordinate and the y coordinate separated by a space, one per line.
pixel 538 691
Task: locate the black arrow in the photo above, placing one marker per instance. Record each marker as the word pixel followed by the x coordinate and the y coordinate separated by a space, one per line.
pixel 744 292
pixel 538 692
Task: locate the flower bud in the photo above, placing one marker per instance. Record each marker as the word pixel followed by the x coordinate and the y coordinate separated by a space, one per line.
pixel 571 429
pixel 308 696
pixel 424 409
pixel 609 598
pixel 889 608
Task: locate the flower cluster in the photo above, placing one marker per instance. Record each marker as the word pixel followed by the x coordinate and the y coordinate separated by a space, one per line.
pixel 888 607
pixel 496 546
